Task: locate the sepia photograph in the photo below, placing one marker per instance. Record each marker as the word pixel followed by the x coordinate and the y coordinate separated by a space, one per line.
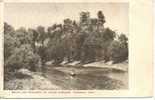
pixel 66 46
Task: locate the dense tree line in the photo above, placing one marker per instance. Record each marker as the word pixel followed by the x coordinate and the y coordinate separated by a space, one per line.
pixel 86 41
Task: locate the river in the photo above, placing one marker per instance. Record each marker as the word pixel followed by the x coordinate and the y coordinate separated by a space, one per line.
pixel 90 78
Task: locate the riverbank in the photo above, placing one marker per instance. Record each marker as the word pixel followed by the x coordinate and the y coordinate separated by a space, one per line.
pixel 35 81
pixel 92 76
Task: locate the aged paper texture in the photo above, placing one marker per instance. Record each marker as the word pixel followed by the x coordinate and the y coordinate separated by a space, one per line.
pixel 70 48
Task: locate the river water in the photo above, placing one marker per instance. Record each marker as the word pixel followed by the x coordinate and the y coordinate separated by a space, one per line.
pixel 87 78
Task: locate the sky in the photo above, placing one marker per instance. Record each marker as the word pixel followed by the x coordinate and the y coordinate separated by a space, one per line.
pixel 31 15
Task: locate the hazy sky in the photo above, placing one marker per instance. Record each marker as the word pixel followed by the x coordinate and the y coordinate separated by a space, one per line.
pixel 30 15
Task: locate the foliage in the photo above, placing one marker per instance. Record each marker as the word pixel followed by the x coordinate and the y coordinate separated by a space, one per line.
pixel 18 51
pixel 118 49
pixel 87 41
pixel 23 57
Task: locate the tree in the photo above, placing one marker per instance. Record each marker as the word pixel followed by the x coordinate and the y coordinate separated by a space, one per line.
pixel 84 17
pixel 23 36
pixel 8 29
pixel 34 35
pixel 118 49
pixel 10 42
pixel 91 42
pixel 18 51
pixel 23 57
pixel 123 40
pixel 69 29
pixel 41 34
pixel 106 37
pixel 101 18
pixel 56 45
pixel 86 40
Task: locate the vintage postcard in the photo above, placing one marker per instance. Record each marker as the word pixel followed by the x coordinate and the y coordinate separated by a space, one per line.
pixel 69 48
